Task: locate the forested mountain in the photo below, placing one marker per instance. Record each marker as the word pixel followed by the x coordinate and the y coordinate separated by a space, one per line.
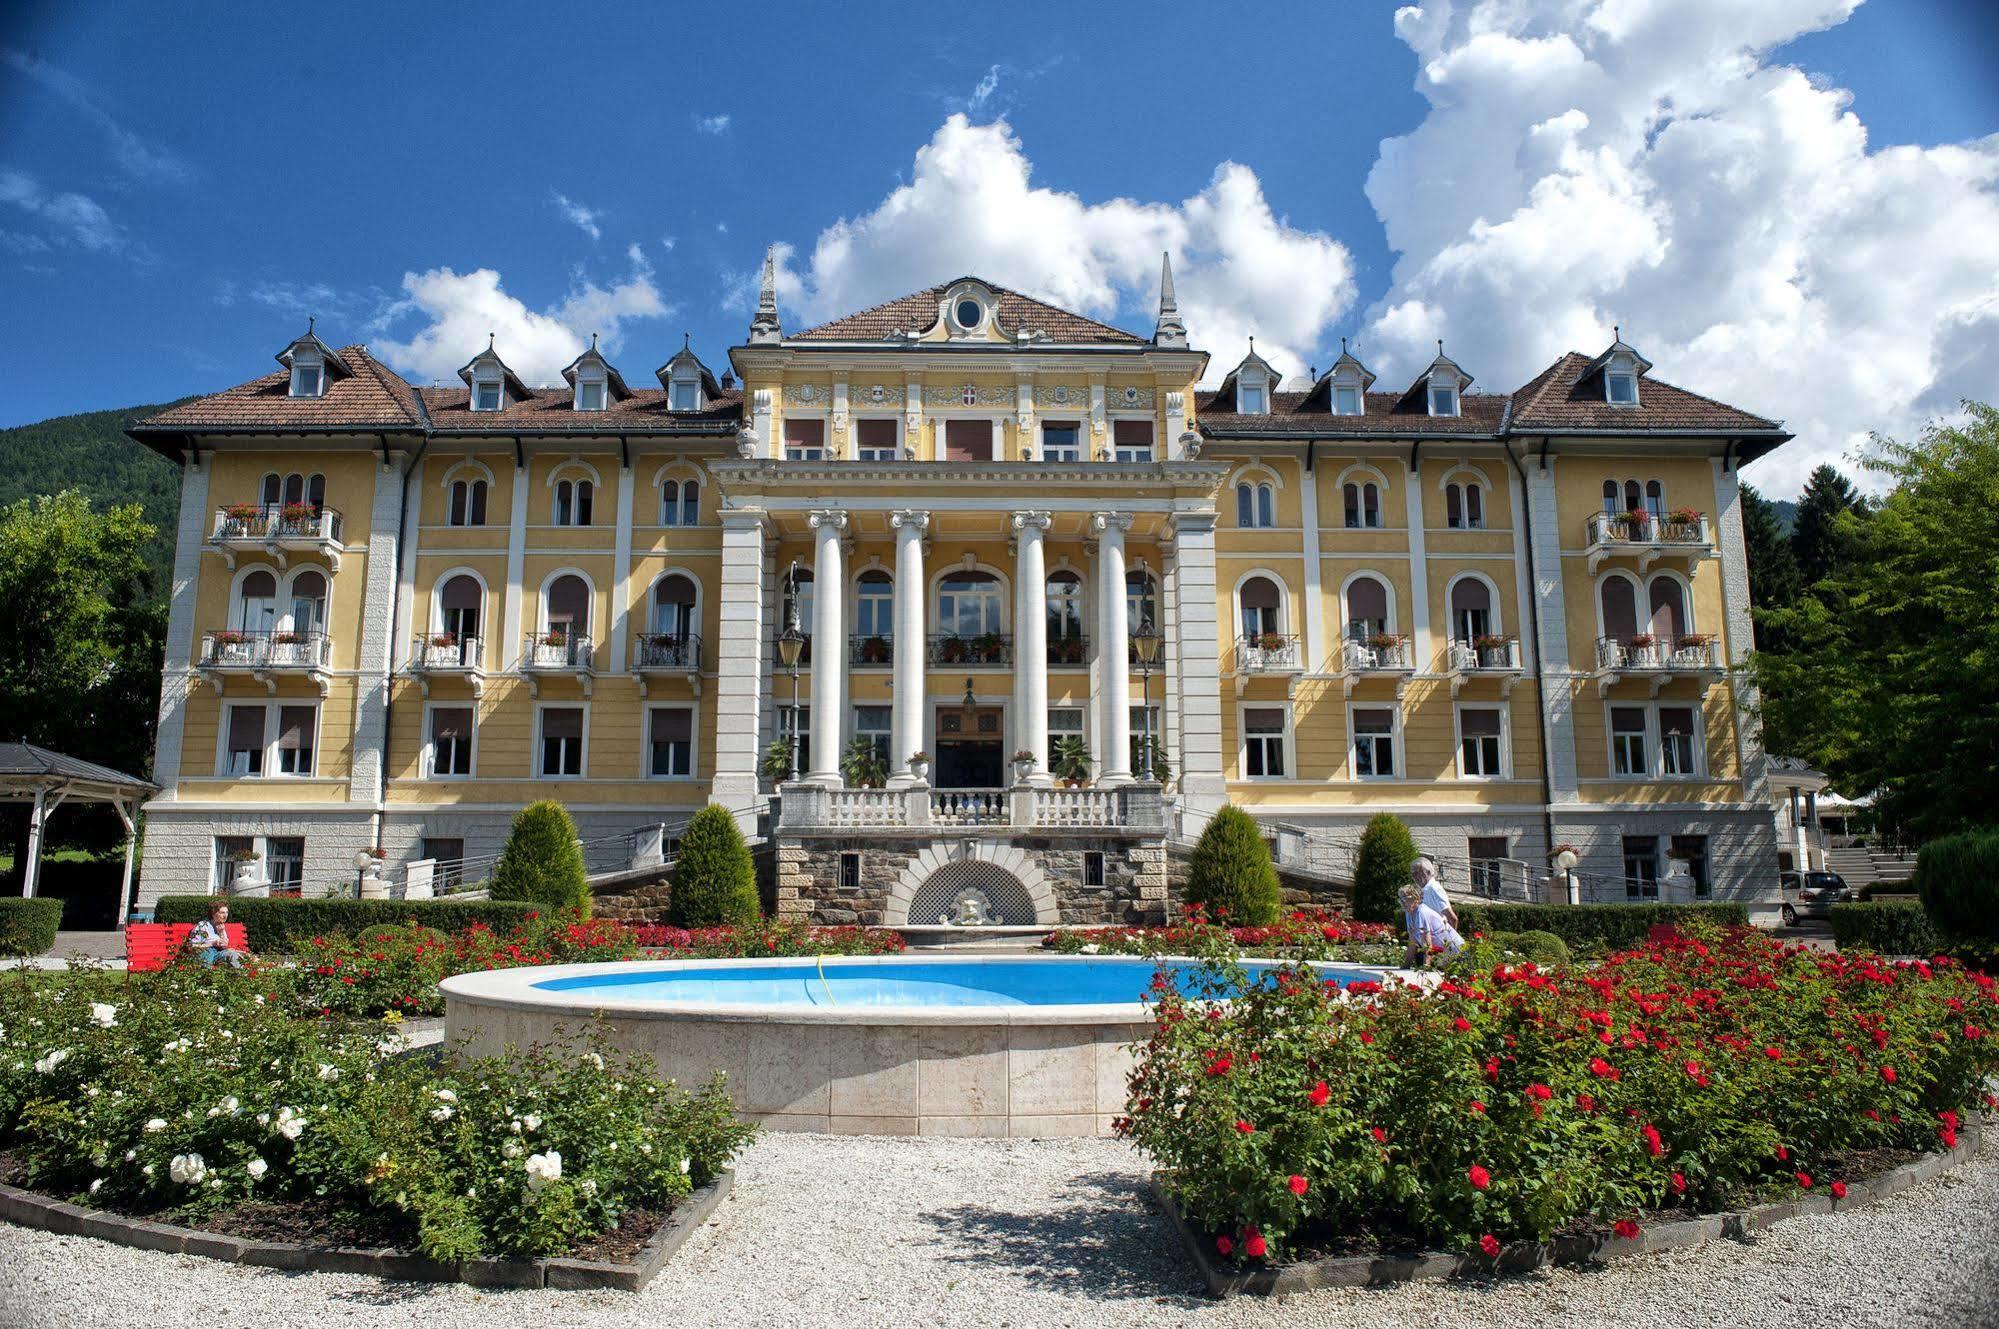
pixel 89 452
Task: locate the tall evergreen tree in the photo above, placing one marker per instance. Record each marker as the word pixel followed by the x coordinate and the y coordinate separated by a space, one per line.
pixel 1820 541
pixel 1774 580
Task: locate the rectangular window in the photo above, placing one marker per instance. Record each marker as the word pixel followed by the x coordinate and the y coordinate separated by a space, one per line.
pixel 297 735
pixel 1678 740
pixel 228 848
pixel 306 380
pixel 1064 722
pixel 1062 442
pixel 1487 853
pixel 487 397
pixel 874 440
pixel 1346 401
pixel 561 740
pixel 1131 440
pixel 1627 742
pixel 448 853
pixel 968 440
pixel 795 724
pixel 671 737
pixel 1263 741
pixel 850 870
pixel 872 723
pixel 1480 752
pixel 1443 401
pixel 1373 742
pixel 1623 389
pixel 804 440
pixel 1093 867
pixel 284 863
pixel 590 396
pixel 1251 395
pixel 244 752
pixel 686 396
pixel 1692 850
pixel 451 741
pixel 1641 867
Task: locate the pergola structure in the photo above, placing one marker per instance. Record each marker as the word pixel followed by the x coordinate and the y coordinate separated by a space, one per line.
pixel 47 780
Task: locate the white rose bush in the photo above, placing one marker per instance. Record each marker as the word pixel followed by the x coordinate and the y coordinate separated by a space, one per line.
pixel 184 1094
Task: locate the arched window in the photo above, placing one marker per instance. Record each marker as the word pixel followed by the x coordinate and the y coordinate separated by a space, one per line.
pixel 1141 600
pixel 1464 506
pixel 1471 609
pixel 1655 499
pixel 874 615
pixel 1363 504
pixel 1610 505
pixel 459 602
pixel 680 503
pixel 1668 609
pixel 1618 599
pixel 257 602
pixel 468 503
pixel 572 502
pixel 969 605
pixel 1255 505
pixel 1065 618
pixel 308 595
pixel 1262 604
pixel 673 598
pixel 1367 608
pixel 567 607
pixel 1633 501
pixel 296 488
pixel 274 489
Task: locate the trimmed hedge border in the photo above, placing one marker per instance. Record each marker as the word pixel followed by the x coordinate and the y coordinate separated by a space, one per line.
pixel 281 926
pixel 1892 927
pixel 28 927
pixel 1606 926
pixel 1226 1280
pixel 44 1214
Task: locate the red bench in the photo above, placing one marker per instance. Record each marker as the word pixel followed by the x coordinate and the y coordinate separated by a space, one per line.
pixel 148 946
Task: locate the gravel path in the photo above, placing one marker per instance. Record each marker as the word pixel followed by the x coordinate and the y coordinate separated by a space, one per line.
pixel 826 1232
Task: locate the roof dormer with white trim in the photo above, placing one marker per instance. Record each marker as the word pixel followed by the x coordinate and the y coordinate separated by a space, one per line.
pixel 1251 383
pixel 313 364
pixel 1347 383
pixel 689 386
pixel 1621 367
pixel 593 382
pixel 1443 385
pixel 493 386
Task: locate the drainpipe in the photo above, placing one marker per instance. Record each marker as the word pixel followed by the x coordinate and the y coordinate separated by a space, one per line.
pixel 1534 625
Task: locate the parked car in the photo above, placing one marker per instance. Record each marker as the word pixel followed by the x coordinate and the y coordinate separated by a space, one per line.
pixel 1812 895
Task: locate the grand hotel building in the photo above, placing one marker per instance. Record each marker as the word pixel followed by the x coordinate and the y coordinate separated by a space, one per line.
pixel 1512 618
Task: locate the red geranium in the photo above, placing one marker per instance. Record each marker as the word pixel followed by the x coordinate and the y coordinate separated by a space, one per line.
pixel 1320 1095
pixel 1653 1145
pixel 1245 1127
pixel 1626 1229
pixel 1480 1178
pixel 1490 1245
pixel 1839 1190
pixel 1297 1184
pixel 1224 1245
pixel 1679 1183
pixel 1805 1180
pixel 1380 1135
pixel 1888 1074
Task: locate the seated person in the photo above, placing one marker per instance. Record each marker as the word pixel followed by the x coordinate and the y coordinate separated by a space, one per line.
pixel 1429 932
pixel 210 939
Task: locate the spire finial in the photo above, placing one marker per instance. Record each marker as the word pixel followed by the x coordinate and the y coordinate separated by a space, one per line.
pixel 1440 346
pixel 593 341
pixel 310 321
pixel 1170 331
pixel 1616 332
pixel 765 327
pixel 489 341
pixel 686 341
pixel 1343 346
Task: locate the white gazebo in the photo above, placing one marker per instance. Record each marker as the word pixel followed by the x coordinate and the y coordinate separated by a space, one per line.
pixel 46 780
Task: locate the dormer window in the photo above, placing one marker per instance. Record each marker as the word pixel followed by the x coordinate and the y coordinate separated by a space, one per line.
pixel 1622 367
pixel 689 386
pixel 1349 380
pixel 308 378
pixel 686 395
pixel 310 364
pixel 1620 388
pixel 486 394
pixel 1443 399
pixel 1253 400
pixel 590 395
pixel 1346 401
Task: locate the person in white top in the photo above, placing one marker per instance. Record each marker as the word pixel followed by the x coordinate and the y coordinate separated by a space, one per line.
pixel 1423 873
pixel 1429 932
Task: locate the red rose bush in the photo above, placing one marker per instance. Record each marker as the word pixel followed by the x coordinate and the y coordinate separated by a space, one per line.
pixel 1306 934
pixel 1513 1102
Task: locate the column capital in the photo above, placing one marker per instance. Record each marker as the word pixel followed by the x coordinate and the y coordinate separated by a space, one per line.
pixel 743 519
pixel 1101 522
pixel 833 517
pixel 1039 521
pixel 915 517
pixel 1191 523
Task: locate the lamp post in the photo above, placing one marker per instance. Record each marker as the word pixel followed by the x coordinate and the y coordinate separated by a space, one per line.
pixel 1566 860
pixel 1145 644
pixel 790 647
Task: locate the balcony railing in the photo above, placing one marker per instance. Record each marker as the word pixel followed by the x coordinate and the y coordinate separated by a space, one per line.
pixel 446 652
pixel 1269 653
pixel 266 652
pixel 1484 657
pixel 667 653
pixel 557 652
pixel 1650 652
pixel 296 527
pixel 1383 653
pixel 987 650
pixel 1069 652
pixel 871 651
pixel 1647 536
pixel 1134 808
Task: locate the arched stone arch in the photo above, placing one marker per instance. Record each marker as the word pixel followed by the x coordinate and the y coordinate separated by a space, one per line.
pixel 1254 470
pixel 1358 471
pixel 1007 858
pixel 467 468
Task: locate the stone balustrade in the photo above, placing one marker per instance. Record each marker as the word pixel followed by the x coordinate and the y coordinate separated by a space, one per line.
pixel 1137 809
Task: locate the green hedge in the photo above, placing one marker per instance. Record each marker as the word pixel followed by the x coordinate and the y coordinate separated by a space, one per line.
pixel 1958 879
pixel 28 927
pixel 1892 927
pixel 1594 927
pixel 278 926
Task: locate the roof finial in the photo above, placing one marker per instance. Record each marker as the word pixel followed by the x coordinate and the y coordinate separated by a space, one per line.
pixel 765 327
pixel 1170 331
pixel 593 341
pixel 1343 346
pixel 686 341
pixel 1440 347
pixel 489 341
pixel 1616 332
pixel 310 320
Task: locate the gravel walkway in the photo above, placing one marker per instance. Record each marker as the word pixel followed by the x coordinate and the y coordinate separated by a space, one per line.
pixel 828 1232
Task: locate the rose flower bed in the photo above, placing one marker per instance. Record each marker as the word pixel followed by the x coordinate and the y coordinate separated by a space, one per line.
pixel 1306 934
pixel 191 1096
pixel 770 938
pixel 1514 1103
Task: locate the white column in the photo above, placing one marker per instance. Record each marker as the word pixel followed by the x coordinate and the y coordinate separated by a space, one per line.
pixel 911 648
pixel 1315 595
pixel 1113 634
pixel 741 651
pixel 33 869
pixel 517 551
pixel 1419 574
pixel 1030 638
pixel 131 839
pixel 621 572
pixel 1202 789
pixel 829 584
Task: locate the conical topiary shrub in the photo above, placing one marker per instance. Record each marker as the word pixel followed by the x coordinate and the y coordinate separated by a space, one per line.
pixel 543 863
pixel 1231 873
pixel 714 881
pixel 1382 869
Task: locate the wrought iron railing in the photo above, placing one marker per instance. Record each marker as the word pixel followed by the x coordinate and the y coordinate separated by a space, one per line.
pixel 676 652
pixel 233 649
pixel 872 649
pixel 277 521
pixel 1269 652
pixel 1495 655
pixel 1658 651
pixel 986 650
pixel 1383 653
pixel 1069 652
pixel 446 650
pixel 1647 528
pixel 556 650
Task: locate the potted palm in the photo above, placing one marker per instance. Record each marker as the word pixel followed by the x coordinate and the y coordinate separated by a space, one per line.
pixel 776 764
pixel 861 766
pixel 1070 761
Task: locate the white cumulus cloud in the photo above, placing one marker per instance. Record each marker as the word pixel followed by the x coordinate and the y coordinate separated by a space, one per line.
pixel 970 206
pixel 711 124
pixel 584 219
pixel 70 220
pixel 1586 163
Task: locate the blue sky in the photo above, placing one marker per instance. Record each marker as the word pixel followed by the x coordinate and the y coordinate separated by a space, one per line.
pixel 176 194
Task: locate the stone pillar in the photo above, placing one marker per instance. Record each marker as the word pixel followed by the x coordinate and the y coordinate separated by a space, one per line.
pixel 1419 573
pixel 829 584
pixel 517 548
pixel 1811 835
pixel 1113 632
pixel 911 646
pixel 1202 788
pixel 369 754
pixel 1030 640
pixel 1558 680
pixel 621 574
pixel 1315 595
pixel 175 680
pixel 740 653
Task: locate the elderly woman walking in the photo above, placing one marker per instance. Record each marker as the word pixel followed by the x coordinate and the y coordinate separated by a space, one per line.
pixel 1423 874
pixel 1430 933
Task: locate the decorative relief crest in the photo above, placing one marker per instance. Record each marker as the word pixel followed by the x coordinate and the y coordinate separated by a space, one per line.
pixel 879 394
pixel 1068 395
pixel 968 395
pixel 1130 398
pixel 806 394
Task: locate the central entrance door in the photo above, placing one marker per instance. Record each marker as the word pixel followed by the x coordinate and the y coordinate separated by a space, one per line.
pixel 969 747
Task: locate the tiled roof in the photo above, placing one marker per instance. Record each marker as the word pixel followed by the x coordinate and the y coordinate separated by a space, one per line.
pixel 1387 413
pixel 1569 395
pixel 372 397
pixel 553 410
pixel 917 312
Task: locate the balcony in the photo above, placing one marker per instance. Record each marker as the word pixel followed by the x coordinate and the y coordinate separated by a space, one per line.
pixel 557 654
pixel 1647 538
pixel 1072 652
pixel 279 530
pixel 988 650
pixel 1269 653
pixel 873 651
pixel 448 655
pixel 1383 655
pixel 1137 809
pixel 1659 658
pixel 1485 657
pixel 669 654
pixel 266 657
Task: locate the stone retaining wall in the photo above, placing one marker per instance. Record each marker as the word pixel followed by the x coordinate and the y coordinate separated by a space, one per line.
pixel 808 876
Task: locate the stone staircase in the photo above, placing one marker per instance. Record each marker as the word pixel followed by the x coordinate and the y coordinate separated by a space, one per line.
pixel 1867 867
